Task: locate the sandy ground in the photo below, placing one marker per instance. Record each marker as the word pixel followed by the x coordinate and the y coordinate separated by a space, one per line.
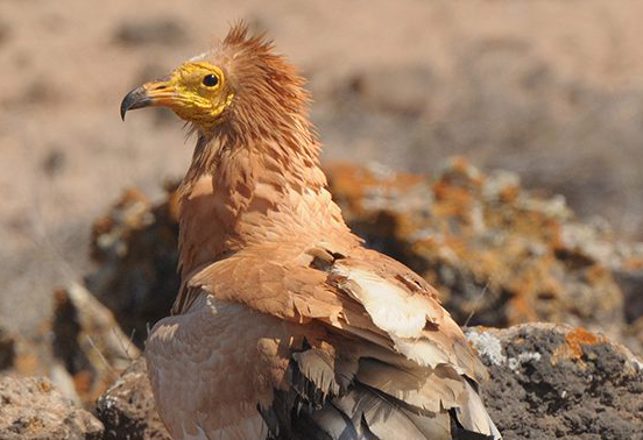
pixel 552 90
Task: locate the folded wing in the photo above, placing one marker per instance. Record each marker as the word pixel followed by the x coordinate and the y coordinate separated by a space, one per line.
pixel 392 363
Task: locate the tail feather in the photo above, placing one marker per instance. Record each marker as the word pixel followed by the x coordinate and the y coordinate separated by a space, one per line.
pixel 473 417
pixel 383 417
pixel 375 401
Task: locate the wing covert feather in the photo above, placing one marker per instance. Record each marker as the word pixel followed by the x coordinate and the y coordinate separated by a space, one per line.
pixel 403 343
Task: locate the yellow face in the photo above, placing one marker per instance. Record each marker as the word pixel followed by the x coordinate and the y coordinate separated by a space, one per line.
pixel 196 91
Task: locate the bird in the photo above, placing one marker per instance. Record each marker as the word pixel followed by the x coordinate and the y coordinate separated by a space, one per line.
pixel 286 326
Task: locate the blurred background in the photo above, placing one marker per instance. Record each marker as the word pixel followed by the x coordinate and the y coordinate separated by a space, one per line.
pixel 550 90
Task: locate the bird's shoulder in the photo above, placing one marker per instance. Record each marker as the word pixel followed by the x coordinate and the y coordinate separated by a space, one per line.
pixel 353 290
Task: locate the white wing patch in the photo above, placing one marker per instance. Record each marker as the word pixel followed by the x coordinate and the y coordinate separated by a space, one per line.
pixel 392 308
pixel 401 313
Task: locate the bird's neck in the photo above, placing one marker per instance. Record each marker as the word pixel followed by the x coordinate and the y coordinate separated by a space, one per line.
pixel 240 193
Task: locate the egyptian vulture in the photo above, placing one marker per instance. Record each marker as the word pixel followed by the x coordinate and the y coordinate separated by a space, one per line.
pixel 285 325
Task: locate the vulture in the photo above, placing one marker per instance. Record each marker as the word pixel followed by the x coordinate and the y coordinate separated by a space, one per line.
pixel 285 325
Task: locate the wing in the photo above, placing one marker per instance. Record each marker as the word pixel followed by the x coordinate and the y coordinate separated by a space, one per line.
pixel 392 360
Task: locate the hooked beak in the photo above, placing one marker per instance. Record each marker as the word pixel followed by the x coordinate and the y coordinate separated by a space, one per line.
pixel 151 94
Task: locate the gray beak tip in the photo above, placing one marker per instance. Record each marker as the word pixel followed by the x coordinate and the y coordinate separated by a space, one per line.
pixel 137 98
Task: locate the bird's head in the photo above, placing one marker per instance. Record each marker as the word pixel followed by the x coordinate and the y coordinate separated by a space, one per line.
pixel 197 91
pixel 240 84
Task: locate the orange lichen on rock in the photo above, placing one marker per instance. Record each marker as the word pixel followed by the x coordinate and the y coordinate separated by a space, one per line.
pixel 482 236
pixel 456 190
pixel 355 184
pixel 575 340
pixel 578 337
pixel 452 201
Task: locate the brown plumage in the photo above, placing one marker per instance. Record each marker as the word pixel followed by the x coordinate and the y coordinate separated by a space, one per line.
pixel 285 326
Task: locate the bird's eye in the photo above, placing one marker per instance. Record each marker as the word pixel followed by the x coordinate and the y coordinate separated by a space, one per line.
pixel 210 80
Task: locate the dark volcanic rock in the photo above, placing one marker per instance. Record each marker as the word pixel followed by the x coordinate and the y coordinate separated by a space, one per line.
pixel 32 409
pixel 135 246
pixel 560 382
pixel 127 409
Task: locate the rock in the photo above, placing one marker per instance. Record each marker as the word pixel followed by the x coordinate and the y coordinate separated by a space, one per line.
pixel 32 409
pixel 88 342
pixel 498 255
pixel 81 349
pixel 552 381
pixel 127 409
pixel 135 246
pixel 547 381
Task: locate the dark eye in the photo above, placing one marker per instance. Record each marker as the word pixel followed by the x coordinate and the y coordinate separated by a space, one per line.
pixel 210 80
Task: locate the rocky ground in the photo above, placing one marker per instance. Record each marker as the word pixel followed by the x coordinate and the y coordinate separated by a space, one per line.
pixel 500 256
pixel 553 381
pixel 32 408
pixel 547 382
